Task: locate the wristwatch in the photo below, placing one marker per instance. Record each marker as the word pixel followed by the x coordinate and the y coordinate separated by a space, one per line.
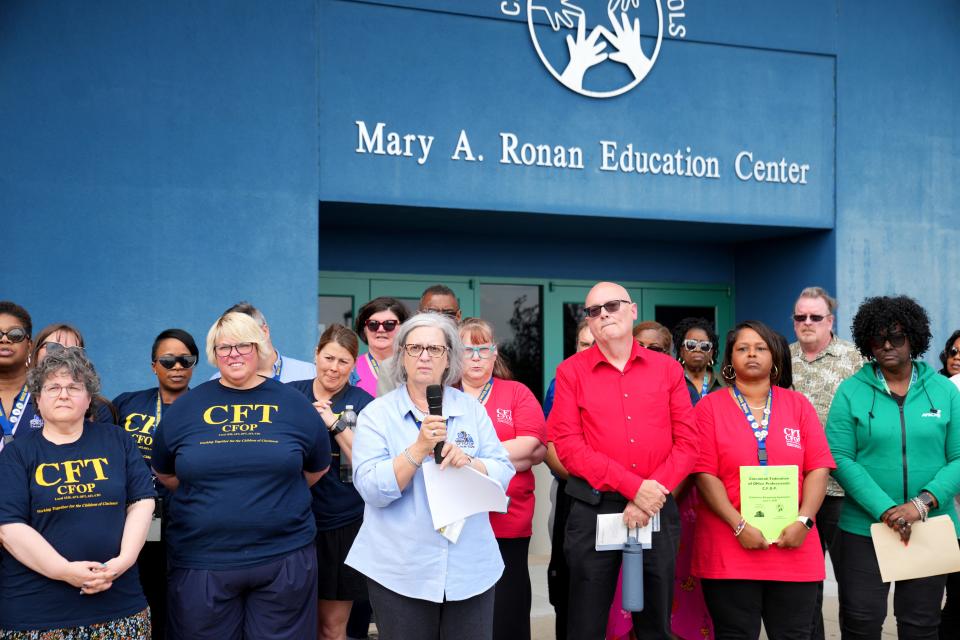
pixel 805 521
pixel 926 498
pixel 338 427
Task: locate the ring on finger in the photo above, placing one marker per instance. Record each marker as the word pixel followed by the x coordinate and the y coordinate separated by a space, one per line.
pixel 433 433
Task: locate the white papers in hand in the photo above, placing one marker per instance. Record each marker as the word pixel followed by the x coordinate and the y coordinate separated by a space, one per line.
pixel 456 493
pixel 612 532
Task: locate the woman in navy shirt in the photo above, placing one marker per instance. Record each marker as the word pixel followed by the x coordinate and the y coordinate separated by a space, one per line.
pixel 238 455
pixel 337 506
pixel 74 512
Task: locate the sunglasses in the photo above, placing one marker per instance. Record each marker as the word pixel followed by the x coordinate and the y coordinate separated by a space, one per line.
pixel 698 345
pixel 17 334
pixel 896 340
pixel 953 352
pixel 55 347
pixel 388 325
pixel 169 362
pixel 802 317
pixel 652 347
pixel 612 307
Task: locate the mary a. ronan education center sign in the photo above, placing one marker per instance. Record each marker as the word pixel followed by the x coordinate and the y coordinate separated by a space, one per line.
pixel 610 155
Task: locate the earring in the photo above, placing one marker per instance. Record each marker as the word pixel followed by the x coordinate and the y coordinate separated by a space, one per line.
pixel 776 373
pixel 682 363
pixel 710 364
pixel 728 373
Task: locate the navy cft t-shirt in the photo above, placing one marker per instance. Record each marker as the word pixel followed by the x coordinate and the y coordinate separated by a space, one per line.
pixel 335 503
pixel 138 418
pixel 239 456
pixel 75 495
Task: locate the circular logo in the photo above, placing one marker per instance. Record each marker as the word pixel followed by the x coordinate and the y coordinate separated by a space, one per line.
pixel 594 47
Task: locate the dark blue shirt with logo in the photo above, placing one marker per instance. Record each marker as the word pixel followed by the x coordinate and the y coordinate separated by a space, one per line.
pixel 75 495
pixel 138 418
pixel 239 456
pixel 335 503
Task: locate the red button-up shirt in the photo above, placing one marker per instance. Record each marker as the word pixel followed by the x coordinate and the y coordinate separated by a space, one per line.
pixel 616 429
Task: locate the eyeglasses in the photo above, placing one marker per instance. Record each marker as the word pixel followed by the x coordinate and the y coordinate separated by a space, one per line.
pixel 652 347
pixel 612 307
pixel 896 340
pixel 17 334
pixel 388 325
pixel 55 347
pixel 242 349
pixel 953 352
pixel 187 362
pixel 433 350
pixel 73 390
pixel 802 317
pixel 451 313
pixel 481 352
pixel 698 345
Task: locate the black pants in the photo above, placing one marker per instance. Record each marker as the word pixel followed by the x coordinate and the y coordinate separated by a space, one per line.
pixel 827 520
pixel 558 573
pixel 593 574
pixel 950 616
pixel 738 606
pixel 152 567
pixel 403 618
pixel 358 624
pixel 512 593
pixel 863 596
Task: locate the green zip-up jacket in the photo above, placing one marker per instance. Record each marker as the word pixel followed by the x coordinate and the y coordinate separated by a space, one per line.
pixel 886 456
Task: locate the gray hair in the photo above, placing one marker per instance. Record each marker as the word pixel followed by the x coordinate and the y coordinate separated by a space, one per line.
pixel 820 292
pixel 74 360
pixel 454 368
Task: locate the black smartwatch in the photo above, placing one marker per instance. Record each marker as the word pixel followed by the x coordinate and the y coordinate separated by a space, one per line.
pixel 338 427
pixel 805 521
pixel 927 499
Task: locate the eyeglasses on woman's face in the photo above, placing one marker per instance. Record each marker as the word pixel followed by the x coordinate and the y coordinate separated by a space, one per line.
pixel 896 340
pixel 433 350
pixel 698 345
pixel 187 362
pixel 484 352
pixel 388 325
pixel 17 334
pixel 242 349
pixel 74 390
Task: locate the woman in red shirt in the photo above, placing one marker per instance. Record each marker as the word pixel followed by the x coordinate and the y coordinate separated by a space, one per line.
pixel 745 576
pixel 518 419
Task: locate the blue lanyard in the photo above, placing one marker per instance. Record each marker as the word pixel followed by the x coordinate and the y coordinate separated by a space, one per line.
pixel 759 430
pixel 19 406
pixel 277 368
pixel 706 384
pixel 374 366
pixel 913 378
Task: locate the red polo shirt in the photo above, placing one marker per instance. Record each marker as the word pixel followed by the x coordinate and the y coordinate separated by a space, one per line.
pixel 615 429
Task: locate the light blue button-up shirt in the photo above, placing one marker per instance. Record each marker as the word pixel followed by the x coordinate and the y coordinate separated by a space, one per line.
pixel 397 545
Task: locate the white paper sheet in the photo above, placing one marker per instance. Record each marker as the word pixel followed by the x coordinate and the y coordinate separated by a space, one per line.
pixel 612 533
pixel 456 493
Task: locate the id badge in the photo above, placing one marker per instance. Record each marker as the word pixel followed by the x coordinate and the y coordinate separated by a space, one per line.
pixel 7 439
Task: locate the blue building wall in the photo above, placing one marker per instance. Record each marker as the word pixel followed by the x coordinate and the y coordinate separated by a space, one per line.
pixel 158 162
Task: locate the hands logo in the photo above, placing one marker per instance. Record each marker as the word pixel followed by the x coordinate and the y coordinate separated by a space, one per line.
pixel 612 50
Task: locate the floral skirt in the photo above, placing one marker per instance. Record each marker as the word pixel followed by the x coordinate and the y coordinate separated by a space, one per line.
pixel 135 627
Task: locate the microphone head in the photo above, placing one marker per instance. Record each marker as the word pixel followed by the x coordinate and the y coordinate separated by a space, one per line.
pixel 435 398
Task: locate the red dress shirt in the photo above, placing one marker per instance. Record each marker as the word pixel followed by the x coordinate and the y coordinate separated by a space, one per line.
pixel 616 429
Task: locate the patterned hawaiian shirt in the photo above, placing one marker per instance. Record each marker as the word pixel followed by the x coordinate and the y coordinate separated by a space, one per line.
pixel 818 380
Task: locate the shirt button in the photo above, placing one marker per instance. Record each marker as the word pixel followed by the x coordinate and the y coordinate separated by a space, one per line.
pixel 629 418
pixel 634 466
pixel 632 440
pixel 626 395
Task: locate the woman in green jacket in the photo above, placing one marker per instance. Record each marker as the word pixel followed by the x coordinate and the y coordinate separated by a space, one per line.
pixel 894 430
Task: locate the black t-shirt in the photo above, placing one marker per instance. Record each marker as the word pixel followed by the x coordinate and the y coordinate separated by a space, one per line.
pixel 75 495
pixel 335 503
pixel 239 456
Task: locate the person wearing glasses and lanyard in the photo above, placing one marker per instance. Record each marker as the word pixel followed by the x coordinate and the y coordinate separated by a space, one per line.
pixel 421 584
pixel 623 427
pixel 746 577
pixel 894 428
pixel 376 324
pixel 239 455
pixel 518 420
pixel 174 355
pixel 15 345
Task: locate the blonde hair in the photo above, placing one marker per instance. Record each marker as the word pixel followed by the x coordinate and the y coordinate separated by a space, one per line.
pixel 240 327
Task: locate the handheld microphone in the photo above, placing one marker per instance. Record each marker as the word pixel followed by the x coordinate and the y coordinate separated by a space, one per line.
pixel 435 404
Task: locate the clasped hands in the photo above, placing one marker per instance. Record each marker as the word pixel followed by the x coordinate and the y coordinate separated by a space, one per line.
pixel 94 577
pixel 650 498
pixel 901 518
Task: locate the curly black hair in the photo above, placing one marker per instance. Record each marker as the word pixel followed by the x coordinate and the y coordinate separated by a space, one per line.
pixel 680 332
pixel 880 314
pixel 943 354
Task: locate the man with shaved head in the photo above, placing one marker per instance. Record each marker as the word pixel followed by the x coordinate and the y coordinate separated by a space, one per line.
pixel 622 425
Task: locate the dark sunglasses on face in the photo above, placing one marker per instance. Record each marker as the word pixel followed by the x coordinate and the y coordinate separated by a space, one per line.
pixel 17 334
pixel 652 347
pixel 169 362
pixel 697 345
pixel 388 325
pixel 801 317
pixel 612 307
pixel 953 352
pixel 896 340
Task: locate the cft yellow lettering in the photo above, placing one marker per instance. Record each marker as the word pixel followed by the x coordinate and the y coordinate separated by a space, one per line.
pixel 39 474
pixel 208 414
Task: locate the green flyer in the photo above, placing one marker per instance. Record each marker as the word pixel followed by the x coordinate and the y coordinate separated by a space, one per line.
pixel 769 497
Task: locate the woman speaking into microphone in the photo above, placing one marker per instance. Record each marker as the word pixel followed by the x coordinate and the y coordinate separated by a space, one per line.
pixel 422 585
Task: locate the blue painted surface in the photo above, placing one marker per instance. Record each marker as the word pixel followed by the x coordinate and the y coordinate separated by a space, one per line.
pixel 157 164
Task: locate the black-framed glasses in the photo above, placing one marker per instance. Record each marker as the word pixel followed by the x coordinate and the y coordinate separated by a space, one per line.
pixel 697 345
pixel 481 352
pixel 74 389
pixel 242 349
pixel 433 350
pixel 652 347
pixel 953 352
pixel 388 325
pixel 450 313
pixel 802 317
pixel 17 334
pixel 169 362
pixel 612 307
pixel 896 340
pixel 55 347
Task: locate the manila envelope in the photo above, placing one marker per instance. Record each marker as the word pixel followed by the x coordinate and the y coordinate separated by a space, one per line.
pixel 932 551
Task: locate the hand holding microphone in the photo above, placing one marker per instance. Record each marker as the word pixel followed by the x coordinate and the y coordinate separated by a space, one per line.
pixel 435 405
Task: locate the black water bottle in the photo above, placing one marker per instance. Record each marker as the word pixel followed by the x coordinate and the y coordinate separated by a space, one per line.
pixel 349 420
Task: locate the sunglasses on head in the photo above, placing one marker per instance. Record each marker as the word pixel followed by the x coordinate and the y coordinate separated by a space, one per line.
pixel 388 325
pixel 697 345
pixel 17 334
pixel 169 362
pixel 896 340
pixel 613 306
pixel 56 347
pixel 802 317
